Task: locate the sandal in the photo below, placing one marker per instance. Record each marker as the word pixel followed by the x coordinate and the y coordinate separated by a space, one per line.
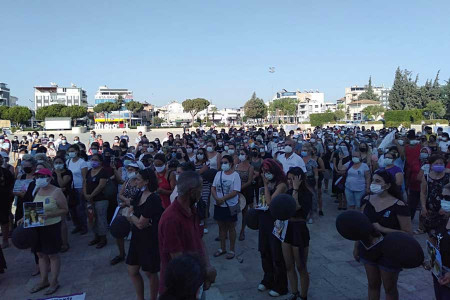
pixel 219 252
pixel 51 290
pixel 117 260
pixel 64 248
pixel 230 255
pixel 36 273
pixel 242 236
pixel 39 287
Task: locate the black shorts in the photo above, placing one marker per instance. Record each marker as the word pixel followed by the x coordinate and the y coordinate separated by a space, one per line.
pixel 5 212
pixel 319 183
pixel 297 234
pixel 144 255
pixel 222 214
pixel 49 239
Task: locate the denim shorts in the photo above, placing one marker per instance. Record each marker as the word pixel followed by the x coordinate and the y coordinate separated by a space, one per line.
pixel 381 265
pixel 354 197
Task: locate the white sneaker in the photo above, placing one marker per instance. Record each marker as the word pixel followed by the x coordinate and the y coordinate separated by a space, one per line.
pixel 310 221
pixel 205 230
pixel 261 287
pixel 274 294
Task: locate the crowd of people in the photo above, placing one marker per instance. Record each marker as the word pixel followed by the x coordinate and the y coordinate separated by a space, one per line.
pixel 164 188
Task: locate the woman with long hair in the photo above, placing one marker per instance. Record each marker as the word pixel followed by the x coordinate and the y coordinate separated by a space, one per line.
pixel 275 183
pixel 62 178
pixel 387 213
pixel 201 166
pixel 225 190
pixel 214 157
pixel 342 157
pixel 245 171
pixel 296 243
pixel 94 186
pixel 49 242
pixel 166 179
pixel 144 215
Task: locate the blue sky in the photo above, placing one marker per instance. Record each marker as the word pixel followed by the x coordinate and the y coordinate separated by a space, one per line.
pixel 219 50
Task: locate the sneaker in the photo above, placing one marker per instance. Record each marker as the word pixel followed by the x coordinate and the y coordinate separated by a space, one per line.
pixel 310 221
pixel 292 297
pixel 205 230
pixel 272 293
pixel 261 287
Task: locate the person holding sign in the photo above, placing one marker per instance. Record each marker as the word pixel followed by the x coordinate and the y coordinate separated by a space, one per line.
pixel 49 242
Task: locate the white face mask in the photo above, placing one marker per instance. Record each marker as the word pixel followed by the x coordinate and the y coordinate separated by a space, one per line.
pixel 209 149
pixel 189 150
pixel 388 161
pixel 41 182
pixel 225 167
pixel 226 148
pixel 200 156
pixel 312 140
pixel 242 157
pixel 356 160
pixel 268 176
pixel 131 175
pixel 376 188
pixel 445 205
pixel 58 166
pixel 151 149
pixel 287 149
pixel 160 169
pixel 231 151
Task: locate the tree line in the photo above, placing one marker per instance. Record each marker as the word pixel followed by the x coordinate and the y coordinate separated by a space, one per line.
pixel 16 114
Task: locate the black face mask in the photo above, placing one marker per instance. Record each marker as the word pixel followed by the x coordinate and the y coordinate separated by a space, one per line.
pixel 363 149
pixel 28 170
pixel 116 153
pixel 255 154
pixel 178 155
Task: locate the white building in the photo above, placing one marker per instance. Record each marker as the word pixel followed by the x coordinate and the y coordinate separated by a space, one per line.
pixel 227 116
pixel 355 109
pixel 105 94
pixel 309 102
pixel 330 106
pixel 173 112
pixel 53 94
pixel 13 101
pixel 352 93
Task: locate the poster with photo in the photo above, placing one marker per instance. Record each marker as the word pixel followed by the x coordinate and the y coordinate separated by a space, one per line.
pixel 279 229
pixel 33 214
pixel 21 185
pixel 261 201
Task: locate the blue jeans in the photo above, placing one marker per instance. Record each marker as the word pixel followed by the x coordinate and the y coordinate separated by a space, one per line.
pixel 354 197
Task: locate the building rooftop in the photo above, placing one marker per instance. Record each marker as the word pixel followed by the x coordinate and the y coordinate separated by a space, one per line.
pixel 365 101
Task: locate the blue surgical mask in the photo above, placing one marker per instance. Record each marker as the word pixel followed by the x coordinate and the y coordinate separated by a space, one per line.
pixel 304 153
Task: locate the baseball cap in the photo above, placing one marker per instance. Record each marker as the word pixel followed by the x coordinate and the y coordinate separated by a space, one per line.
pixel 44 171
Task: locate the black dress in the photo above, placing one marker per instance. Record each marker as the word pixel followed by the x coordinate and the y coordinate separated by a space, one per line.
pixel 144 249
pixel 6 200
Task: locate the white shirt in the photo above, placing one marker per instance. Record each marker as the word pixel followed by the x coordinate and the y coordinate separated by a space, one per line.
pixel 444 145
pixel 292 161
pixel 228 184
pixel 76 167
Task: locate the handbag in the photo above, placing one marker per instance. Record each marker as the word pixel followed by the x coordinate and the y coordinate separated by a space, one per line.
pixel 235 209
pixel 340 183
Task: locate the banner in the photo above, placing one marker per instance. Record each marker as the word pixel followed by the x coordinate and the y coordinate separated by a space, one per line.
pixel 68 297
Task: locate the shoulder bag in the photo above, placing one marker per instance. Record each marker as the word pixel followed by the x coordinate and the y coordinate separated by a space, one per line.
pixel 235 209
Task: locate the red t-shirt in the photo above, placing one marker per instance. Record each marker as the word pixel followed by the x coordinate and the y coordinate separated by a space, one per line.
pixel 178 231
pixel 412 167
pixel 164 184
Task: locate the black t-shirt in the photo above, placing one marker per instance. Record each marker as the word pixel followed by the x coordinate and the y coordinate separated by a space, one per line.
pixel 15 145
pixel 93 181
pixel 388 216
pixel 305 202
pixel 68 187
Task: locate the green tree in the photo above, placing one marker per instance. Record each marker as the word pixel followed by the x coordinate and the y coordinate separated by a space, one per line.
pixel 194 106
pixel 369 93
pixel 3 111
pixel 284 107
pixel 134 107
pixel 74 112
pixel 51 111
pixel 434 109
pixel 18 114
pixel 119 101
pixel 445 97
pixel 404 93
pixel 105 108
pixel 373 111
pixel 157 121
pixel 339 115
pixel 255 108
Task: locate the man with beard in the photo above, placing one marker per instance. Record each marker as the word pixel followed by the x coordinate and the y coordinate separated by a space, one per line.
pixel 179 228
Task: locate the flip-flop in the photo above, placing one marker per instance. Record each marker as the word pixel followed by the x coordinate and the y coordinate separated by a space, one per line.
pixel 230 255
pixel 219 252
pixel 51 290
pixel 39 287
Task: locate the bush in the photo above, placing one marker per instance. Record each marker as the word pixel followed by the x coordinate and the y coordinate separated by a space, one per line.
pixel 320 119
pixel 413 115
pixel 374 122
pixel 406 124
pixel 434 121
pixel 196 124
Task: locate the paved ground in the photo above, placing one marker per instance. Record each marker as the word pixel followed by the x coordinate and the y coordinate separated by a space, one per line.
pixel 334 273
